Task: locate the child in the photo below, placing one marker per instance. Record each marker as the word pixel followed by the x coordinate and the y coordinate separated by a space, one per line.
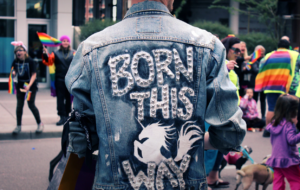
pixel 250 114
pixel 285 157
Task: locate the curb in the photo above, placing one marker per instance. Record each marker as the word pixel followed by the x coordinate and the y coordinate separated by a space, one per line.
pixel 30 135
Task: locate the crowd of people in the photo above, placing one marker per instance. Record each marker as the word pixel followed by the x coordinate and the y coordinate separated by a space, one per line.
pixel 273 77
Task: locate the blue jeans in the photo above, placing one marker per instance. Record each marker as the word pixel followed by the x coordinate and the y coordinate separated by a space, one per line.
pixel 271 99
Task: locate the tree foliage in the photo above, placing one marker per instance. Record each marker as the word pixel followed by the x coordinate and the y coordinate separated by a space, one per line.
pixel 253 39
pixel 263 10
pixel 179 9
pixel 93 27
pixel 214 28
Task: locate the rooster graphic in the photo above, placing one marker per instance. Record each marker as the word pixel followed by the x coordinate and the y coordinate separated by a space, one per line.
pixel 155 136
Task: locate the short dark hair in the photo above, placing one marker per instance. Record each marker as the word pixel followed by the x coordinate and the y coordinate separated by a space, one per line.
pixel 286 107
pixel 284 44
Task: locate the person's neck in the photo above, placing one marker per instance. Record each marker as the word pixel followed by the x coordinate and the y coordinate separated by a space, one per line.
pixel 65 49
pixel 21 59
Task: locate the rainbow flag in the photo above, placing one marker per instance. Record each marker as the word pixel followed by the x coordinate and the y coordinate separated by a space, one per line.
pixel 249 66
pixel 52 80
pixel 275 74
pixel 48 40
pixel 28 93
pixel 255 56
pixel 296 48
pixel 11 84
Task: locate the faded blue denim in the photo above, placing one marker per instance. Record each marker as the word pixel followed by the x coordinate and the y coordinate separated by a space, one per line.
pixel 151 81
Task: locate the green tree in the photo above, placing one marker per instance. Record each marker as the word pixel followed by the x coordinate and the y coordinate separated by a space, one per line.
pixel 255 38
pixel 93 27
pixel 179 9
pixel 263 10
pixel 214 28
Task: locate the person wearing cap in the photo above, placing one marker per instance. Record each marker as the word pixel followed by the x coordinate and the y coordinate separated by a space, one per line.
pixel 25 70
pixel 62 59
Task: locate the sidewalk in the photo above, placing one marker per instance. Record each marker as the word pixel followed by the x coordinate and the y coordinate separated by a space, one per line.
pixel 47 108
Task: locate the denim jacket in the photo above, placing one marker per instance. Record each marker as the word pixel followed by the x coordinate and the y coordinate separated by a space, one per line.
pixel 151 81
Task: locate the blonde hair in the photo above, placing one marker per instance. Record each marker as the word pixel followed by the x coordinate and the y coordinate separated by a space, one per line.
pixel 245 55
pixel 260 47
pixel 19 47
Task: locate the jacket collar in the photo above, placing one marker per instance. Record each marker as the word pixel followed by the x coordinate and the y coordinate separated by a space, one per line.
pixel 147 6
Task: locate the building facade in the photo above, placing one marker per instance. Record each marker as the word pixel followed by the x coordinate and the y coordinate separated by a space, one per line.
pixel 21 19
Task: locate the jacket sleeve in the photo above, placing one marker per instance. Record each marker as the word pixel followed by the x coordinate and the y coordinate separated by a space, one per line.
pixel 292 137
pixel 48 60
pixel 227 128
pixel 78 83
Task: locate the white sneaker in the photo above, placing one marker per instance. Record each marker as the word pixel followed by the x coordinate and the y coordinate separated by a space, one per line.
pixel 17 130
pixel 40 128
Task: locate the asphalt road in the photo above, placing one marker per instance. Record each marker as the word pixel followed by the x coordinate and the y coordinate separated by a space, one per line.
pixel 24 164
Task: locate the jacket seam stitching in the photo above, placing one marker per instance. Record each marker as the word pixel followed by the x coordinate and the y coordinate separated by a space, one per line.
pixel 199 60
pixel 107 121
pixel 76 76
pixel 164 38
pixel 149 10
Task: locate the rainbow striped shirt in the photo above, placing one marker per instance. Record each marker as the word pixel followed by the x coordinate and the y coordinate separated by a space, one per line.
pixel 275 73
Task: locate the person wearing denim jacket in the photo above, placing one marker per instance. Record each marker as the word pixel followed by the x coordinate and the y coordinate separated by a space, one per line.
pixel 150 81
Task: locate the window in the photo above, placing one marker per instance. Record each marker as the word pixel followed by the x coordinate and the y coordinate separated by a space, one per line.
pixel 7 8
pixel 38 9
pixel 87 10
pixel 6 49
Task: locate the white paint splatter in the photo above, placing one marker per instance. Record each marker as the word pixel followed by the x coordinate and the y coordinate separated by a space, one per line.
pixel 195 34
pixel 117 137
pixel 196 158
pixel 106 156
pixel 107 163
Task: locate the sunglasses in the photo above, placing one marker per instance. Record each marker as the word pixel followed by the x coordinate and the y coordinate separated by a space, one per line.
pixel 236 50
pixel 19 50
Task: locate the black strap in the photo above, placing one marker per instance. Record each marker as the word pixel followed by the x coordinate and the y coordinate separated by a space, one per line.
pixel 83 121
pixel 65 133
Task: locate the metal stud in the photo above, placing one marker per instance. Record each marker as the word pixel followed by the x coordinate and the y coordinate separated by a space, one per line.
pixel 121 73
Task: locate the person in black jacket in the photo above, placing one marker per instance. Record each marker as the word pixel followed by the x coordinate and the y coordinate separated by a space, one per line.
pixel 25 70
pixel 62 59
pixel 238 70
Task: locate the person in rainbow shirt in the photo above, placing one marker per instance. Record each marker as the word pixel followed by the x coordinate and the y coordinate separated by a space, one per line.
pixel 278 74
